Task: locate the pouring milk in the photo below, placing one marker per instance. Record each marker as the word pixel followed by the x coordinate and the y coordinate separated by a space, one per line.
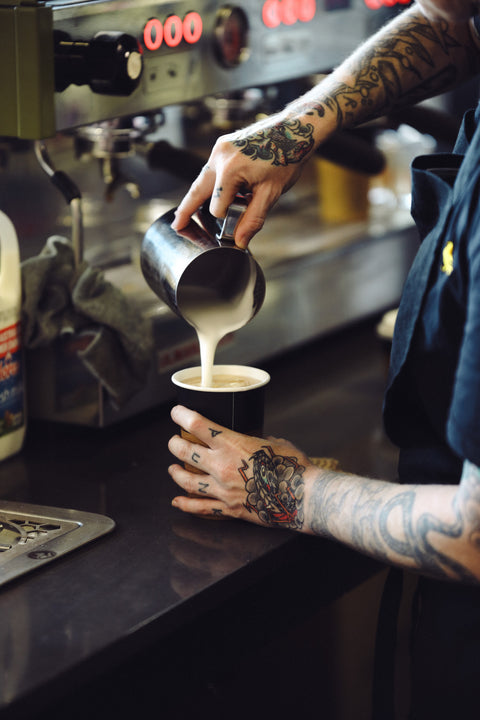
pixel 213 318
pixel 203 277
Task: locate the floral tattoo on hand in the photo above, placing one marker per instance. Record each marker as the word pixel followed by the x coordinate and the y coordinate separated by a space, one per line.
pixel 287 143
pixel 275 486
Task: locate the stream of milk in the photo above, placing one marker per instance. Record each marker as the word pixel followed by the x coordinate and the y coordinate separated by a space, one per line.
pixel 213 319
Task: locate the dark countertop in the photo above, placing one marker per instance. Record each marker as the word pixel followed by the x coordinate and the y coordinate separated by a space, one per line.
pixel 99 615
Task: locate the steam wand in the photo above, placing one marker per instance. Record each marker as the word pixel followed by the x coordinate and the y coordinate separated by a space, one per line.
pixel 70 192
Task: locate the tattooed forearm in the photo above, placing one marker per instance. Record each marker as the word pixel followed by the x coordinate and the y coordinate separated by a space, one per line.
pixel 401 68
pixel 275 486
pixel 418 538
pixel 468 497
pixel 286 143
pixel 432 529
pixel 409 60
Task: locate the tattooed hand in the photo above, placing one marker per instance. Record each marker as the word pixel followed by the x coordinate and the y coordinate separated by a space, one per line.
pixel 264 160
pixel 409 59
pixel 432 529
pixel 258 480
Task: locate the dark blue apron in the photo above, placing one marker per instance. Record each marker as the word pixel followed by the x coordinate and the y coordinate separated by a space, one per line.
pixel 445 645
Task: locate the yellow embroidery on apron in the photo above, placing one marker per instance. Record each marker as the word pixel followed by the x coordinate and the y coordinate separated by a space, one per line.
pixel 447 257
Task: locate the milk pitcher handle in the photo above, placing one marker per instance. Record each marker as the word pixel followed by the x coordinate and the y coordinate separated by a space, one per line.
pixel 223 229
pixel 234 214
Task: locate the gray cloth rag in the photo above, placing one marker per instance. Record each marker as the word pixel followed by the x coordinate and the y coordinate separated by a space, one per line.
pixel 59 298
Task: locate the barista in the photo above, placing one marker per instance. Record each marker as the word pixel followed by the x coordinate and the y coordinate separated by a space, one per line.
pixel 430 522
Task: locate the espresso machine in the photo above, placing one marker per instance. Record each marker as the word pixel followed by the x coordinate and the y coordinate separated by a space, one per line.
pixel 109 109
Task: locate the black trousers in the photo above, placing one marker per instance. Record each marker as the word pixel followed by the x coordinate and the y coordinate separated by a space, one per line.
pixel 444 663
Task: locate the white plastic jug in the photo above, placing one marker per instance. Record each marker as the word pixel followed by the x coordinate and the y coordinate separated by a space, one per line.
pixel 12 391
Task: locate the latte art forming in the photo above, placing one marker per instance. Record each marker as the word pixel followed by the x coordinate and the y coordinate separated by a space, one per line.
pixel 223 380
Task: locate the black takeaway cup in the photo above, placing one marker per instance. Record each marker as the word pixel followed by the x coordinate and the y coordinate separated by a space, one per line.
pixel 235 399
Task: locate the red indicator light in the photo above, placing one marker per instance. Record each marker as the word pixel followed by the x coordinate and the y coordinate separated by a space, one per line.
pixel 288 12
pixel 271 14
pixel 172 31
pixel 192 27
pixel 377 4
pixel 153 34
pixel 307 10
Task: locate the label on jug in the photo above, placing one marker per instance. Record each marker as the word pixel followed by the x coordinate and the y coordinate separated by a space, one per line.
pixel 11 379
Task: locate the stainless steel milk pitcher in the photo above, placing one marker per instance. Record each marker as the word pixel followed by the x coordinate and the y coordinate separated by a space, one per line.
pixel 200 267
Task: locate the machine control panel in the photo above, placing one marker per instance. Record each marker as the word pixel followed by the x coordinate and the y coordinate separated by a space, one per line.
pixel 83 61
pixel 215 47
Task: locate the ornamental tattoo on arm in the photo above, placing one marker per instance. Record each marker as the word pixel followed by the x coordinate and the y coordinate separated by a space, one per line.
pixel 286 143
pixel 275 486
pixel 413 539
pixel 406 54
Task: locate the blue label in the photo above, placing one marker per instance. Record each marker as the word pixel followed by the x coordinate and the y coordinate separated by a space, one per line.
pixel 11 380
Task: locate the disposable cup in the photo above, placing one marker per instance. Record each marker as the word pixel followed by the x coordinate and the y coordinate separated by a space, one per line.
pixel 239 408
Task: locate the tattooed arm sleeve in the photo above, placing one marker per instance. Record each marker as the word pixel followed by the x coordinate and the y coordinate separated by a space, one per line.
pixel 408 60
pixel 433 529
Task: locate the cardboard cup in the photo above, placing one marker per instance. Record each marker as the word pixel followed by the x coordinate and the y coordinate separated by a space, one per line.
pixel 237 408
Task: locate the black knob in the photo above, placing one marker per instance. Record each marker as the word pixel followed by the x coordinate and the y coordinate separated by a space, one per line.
pixel 111 63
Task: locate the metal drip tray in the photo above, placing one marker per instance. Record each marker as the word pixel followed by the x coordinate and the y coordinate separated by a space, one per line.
pixel 32 535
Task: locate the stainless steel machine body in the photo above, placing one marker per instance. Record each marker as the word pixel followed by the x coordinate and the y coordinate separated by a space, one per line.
pixel 90 80
pixel 187 52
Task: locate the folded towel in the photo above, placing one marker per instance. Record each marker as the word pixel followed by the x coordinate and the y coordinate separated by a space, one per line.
pixel 60 298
